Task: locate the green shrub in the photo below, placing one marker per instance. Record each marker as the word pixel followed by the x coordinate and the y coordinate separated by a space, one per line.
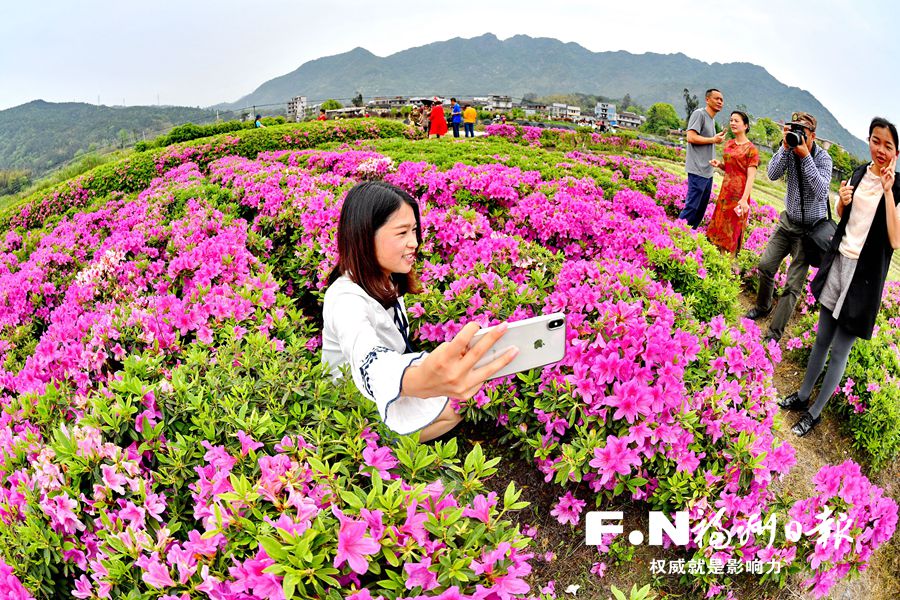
pixel 709 287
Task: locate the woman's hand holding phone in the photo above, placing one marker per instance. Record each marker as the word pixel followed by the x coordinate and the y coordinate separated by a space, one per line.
pixel 450 370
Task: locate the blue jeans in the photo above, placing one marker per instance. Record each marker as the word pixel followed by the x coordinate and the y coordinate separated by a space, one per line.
pixel 699 189
pixel 470 129
pixel 455 129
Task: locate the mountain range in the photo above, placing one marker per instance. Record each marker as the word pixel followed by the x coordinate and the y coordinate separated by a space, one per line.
pixel 39 136
pixel 521 64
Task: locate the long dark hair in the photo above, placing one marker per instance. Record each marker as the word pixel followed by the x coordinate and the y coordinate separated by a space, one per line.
pixel 367 207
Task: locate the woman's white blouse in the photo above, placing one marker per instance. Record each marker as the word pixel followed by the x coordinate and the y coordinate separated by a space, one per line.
pixel 360 332
pixel 866 198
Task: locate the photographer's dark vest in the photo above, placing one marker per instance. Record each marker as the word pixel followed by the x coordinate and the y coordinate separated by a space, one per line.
pixel 864 296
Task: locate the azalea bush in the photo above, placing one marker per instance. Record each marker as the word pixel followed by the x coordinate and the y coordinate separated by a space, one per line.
pixel 862 518
pixel 561 138
pixel 173 431
pixel 168 429
pixel 324 506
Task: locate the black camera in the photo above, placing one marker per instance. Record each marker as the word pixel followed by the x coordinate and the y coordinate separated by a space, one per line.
pixel 556 323
pixel 796 136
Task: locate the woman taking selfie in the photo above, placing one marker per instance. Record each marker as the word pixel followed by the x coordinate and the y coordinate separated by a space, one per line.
pixel 740 161
pixel 850 281
pixel 366 325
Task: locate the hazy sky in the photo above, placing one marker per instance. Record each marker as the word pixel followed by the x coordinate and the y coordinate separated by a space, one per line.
pixel 201 53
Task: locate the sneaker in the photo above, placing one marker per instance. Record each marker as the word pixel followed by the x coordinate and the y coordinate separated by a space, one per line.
pixel 757 313
pixel 792 402
pixel 806 424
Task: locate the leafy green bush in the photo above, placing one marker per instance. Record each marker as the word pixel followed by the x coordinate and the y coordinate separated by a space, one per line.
pixel 708 290
pixel 247 436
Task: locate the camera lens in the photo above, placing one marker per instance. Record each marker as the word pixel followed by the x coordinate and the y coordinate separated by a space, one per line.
pixel 792 138
pixel 555 324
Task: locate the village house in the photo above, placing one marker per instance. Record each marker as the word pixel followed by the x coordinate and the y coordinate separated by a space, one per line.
pixel 388 102
pixel 605 112
pixel 630 120
pixel 497 102
pixel 296 109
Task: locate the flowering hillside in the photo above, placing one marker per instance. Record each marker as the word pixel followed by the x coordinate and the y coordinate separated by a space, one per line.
pixel 168 432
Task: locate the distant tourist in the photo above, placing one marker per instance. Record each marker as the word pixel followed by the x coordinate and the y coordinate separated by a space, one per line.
pixel 850 281
pixel 808 171
pixel 740 159
pixel 365 322
pixel 259 121
pixel 469 117
pixel 322 116
pixel 413 117
pixel 425 117
pixel 701 136
pixel 455 116
pixel 438 121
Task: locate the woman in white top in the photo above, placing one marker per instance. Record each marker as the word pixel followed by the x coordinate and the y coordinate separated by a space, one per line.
pixel 850 281
pixel 365 323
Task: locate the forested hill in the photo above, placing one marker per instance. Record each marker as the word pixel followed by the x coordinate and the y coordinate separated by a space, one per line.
pixel 522 64
pixel 39 136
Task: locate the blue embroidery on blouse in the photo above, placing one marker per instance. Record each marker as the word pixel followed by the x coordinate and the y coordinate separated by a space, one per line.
pixel 366 363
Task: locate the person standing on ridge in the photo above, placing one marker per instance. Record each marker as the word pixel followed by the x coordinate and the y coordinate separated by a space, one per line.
pixel 469 117
pixel 425 117
pixel 701 138
pixel 437 119
pixel 455 116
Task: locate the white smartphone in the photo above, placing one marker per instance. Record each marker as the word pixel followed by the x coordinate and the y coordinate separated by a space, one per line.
pixel 541 341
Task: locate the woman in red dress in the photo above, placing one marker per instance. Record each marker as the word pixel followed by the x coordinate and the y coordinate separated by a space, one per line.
pixel 741 159
pixel 438 120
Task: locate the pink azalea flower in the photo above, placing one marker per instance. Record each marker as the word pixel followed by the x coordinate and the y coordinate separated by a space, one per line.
pixel 155 573
pixel 112 479
pixel 420 575
pixel 614 458
pixel 60 509
pixel 353 546
pixel 481 507
pixel 568 509
pixel 379 458
pixel 247 443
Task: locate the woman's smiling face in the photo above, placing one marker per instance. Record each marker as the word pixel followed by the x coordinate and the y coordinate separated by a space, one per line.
pixel 882 146
pixel 395 241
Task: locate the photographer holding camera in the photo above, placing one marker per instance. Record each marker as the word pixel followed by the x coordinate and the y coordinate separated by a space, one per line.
pixel 808 171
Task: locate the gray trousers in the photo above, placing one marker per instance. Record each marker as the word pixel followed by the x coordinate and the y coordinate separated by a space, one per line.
pixel 785 241
pixel 829 336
